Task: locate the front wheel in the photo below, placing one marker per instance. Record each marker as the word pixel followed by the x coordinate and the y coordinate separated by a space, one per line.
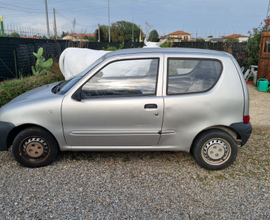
pixel 35 147
pixel 214 149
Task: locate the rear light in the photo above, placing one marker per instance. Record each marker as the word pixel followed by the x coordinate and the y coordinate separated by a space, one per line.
pixel 246 119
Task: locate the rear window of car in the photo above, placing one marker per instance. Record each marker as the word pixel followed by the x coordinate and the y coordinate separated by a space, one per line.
pixel 192 75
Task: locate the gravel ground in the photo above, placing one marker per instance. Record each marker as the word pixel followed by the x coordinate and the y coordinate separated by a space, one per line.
pixel 143 185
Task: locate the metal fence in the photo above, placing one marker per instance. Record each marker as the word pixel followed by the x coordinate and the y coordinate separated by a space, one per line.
pixel 16 54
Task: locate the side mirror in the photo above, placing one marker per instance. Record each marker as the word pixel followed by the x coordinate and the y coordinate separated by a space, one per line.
pixel 77 95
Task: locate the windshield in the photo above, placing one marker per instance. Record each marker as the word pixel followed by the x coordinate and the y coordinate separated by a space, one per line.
pixel 64 86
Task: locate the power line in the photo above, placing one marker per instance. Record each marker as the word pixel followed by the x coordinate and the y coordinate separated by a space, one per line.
pixel 28 3
pixel 16 6
pixel 21 10
pixel 105 6
pixel 21 15
pixel 64 17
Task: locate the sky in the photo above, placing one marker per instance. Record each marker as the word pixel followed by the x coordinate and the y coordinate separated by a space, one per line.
pixel 201 18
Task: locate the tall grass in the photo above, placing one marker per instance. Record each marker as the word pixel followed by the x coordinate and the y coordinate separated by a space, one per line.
pixel 9 89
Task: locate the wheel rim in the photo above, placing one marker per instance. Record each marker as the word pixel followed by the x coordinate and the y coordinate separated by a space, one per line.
pixel 34 149
pixel 216 151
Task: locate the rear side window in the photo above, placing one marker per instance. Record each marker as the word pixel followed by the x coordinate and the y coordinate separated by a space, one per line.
pixel 192 75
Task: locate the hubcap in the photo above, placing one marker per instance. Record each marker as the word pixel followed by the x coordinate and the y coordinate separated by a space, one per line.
pixel 35 148
pixel 216 151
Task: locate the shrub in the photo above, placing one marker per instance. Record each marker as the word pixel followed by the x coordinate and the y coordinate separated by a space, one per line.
pixel 10 89
pixel 113 48
pixel 253 44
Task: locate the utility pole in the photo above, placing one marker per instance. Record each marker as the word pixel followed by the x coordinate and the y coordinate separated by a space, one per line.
pixel 132 27
pixel 268 10
pixel 98 33
pixel 55 30
pixel 109 20
pixel 47 19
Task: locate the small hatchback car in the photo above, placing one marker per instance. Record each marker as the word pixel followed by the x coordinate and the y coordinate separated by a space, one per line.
pixel 150 99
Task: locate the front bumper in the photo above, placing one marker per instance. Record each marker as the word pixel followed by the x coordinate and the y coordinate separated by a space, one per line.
pixel 244 130
pixel 5 128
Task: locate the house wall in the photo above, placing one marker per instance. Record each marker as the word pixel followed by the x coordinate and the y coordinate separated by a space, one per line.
pixel 243 39
pixel 180 38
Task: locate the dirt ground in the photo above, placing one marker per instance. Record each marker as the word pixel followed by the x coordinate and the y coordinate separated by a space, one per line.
pixel 259 107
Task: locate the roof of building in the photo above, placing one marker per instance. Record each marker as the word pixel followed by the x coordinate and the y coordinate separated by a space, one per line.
pixel 35 37
pixel 235 35
pixel 179 33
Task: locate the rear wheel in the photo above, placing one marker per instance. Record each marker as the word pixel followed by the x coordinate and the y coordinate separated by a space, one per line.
pixel 35 147
pixel 214 149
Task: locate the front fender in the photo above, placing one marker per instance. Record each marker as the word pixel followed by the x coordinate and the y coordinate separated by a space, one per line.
pixel 5 129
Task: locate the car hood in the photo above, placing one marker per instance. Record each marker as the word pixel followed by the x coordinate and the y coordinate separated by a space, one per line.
pixel 38 93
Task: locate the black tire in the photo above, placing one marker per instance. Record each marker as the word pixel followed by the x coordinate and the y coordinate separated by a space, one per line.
pixel 214 149
pixel 35 147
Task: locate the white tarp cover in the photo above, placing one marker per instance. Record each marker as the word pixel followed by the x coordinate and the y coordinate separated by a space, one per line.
pixel 73 60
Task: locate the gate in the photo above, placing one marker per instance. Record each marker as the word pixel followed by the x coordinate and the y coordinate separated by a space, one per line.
pixel 264 58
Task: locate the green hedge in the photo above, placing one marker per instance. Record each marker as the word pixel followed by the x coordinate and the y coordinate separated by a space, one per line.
pixel 9 89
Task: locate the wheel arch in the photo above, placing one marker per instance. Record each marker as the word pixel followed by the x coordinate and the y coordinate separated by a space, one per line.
pixel 236 136
pixel 15 131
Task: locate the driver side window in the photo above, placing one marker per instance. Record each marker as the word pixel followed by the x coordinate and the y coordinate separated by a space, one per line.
pixel 124 78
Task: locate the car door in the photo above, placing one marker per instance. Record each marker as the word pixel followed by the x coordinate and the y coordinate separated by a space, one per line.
pixel 120 106
pixel 189 101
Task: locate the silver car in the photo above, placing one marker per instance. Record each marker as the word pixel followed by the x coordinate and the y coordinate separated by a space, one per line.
pixel 158 99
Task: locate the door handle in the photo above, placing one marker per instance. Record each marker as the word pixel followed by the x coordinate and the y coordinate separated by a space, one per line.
pixel 150 106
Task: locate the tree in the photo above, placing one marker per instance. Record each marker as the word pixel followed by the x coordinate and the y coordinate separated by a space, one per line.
pixel 105 29
pixel 153 36
pixel 99 35
pixel 200 40
pixel 14 34
pixel 120 31
pixel 104 37
pixel 232 40
pixel 126 30
pixel 64 34
pixel 116 34
pixel 89 38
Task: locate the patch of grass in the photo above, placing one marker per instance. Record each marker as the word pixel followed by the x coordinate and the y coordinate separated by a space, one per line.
pixel 220 177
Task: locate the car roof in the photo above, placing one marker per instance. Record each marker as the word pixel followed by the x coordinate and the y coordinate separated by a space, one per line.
pixel 165 51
